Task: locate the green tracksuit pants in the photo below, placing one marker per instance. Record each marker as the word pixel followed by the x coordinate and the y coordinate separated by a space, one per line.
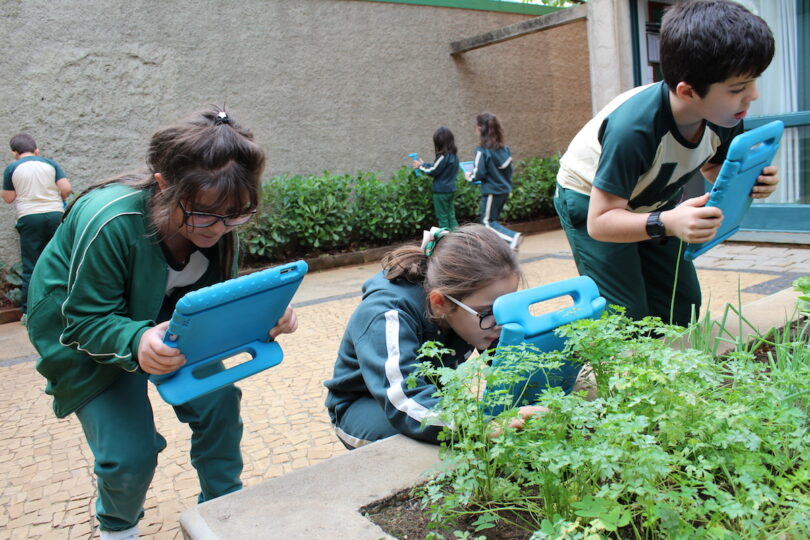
pixel 444 206
pixel 120 430
pixel 36 230
pixel 638 275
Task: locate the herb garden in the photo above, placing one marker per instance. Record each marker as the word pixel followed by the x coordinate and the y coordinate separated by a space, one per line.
pixel 679 443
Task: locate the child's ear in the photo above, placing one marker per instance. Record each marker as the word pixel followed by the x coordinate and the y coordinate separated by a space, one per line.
pixel 438 303
pixel 686 91
pixel 161 182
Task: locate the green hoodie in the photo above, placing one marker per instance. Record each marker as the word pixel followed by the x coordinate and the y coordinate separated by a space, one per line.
pixel 98 286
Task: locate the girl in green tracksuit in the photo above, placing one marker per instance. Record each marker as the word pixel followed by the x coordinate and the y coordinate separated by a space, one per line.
pixel 432 293
pixel 126 251
pixel 493 168
pixel 444 171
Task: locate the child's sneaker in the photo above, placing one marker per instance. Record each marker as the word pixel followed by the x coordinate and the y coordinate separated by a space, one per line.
pixel 128 534
pixel 515 242
pixel 24 319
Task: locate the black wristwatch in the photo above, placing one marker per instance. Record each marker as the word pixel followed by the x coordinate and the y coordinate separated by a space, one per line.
pixel 655 227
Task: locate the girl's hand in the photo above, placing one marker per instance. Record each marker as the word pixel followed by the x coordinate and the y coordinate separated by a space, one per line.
pixel 156 357
pixel 417 163
pixel 287 324
pixel 468 176
pixel 524 413
pixel 692 221
pixel 766 183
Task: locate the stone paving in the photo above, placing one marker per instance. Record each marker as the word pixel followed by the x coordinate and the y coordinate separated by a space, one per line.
pixel 49 491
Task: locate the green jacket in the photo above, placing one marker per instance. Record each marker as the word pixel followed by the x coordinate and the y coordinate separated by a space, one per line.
pixel 98 286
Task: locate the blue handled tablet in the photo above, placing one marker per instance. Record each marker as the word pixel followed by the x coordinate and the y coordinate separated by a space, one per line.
pixel 512 311
pixel 467 167
pixel 414 157
pixel 226 319
pixel 747 155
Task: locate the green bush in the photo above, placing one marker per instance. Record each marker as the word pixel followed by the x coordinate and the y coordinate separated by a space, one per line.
pixel 307 215
pixel 10 282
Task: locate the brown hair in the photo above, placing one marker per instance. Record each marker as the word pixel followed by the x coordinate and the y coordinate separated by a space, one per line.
pixel 490 129
pixel 208 150
pixel 464 261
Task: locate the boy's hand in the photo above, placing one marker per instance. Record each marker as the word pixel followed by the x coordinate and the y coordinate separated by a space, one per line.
pixel 766 183
pixel 156 357
pixel 417 163
pixel 287 324
pixel 692 221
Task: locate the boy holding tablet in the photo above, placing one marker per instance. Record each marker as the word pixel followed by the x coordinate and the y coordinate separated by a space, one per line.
pixel 623 174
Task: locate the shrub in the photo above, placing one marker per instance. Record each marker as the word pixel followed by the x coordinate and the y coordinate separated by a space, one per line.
pixel 306 215
pixel 10 282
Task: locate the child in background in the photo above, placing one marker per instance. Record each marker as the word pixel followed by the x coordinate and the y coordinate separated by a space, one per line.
pixel 444 172
pixel 493 168
pixel 38 187
pixel 423 294
pixel 622 177
pixel 127 250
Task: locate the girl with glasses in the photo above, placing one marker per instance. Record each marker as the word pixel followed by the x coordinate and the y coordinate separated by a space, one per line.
pixel 442 292
pixel 103 292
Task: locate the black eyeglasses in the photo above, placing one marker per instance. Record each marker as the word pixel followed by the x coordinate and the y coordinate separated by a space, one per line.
pixel 205 219
pixel 486 320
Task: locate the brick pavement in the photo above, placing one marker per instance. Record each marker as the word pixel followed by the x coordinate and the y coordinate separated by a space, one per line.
pixel 49 491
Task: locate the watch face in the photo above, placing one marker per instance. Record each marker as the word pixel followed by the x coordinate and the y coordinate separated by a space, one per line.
pixel 655 228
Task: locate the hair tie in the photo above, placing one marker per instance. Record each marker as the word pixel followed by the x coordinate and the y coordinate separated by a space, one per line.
pixel 431 238
pixel 222 118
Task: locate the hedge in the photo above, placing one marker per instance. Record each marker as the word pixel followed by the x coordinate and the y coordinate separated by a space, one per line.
pixel 308 215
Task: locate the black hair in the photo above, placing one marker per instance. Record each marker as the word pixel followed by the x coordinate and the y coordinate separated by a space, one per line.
pixel 709 41
pixel 23 143
pixel 444 142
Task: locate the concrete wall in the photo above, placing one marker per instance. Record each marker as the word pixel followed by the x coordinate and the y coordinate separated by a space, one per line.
pixel 343 85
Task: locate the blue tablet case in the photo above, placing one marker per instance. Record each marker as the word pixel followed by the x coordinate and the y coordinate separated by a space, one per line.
pixel 747 155
pixel 223 320
pixel 414 157
pixel 467 167
pixel 520 326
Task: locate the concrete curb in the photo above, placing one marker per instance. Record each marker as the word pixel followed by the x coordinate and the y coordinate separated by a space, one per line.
pixel 321 501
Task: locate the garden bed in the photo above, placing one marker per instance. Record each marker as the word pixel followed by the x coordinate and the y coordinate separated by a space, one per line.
pixel 326 500
pixel 404 515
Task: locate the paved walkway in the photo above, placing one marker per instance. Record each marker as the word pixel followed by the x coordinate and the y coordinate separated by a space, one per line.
pixel 48 491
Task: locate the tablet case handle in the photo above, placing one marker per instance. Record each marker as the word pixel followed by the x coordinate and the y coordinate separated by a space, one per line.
pixel 520 326
pixel 210 375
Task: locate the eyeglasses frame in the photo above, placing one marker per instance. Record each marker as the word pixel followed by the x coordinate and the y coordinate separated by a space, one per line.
pixel 187 214
pixel 468 309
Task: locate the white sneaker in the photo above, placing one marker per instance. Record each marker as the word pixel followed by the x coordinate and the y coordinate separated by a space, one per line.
pixel 514 243
pixel 127 534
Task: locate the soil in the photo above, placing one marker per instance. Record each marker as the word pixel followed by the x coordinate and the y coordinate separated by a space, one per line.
pixel 402 516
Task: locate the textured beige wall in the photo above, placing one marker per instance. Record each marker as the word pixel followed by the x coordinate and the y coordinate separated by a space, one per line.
pixel 343 85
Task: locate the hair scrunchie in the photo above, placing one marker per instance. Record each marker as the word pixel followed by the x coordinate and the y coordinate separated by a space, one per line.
pixel 431 238
pixel 222 118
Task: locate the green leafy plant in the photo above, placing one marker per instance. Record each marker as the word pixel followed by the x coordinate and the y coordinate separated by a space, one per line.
pixel 803 303
pixel 11 281
pixel 678 444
